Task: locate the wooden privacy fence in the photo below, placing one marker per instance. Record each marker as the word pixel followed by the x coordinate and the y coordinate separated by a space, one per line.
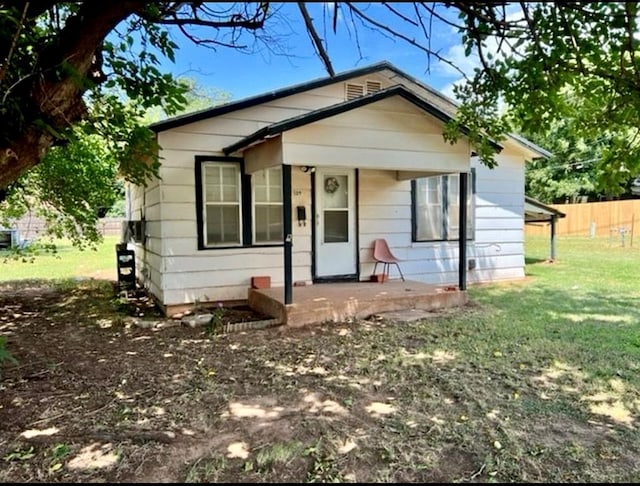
pixel 31 227
pixel 609 218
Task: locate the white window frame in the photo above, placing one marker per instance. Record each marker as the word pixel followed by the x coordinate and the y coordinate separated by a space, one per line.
pixel 205 203
pixel 255 203
pixel 445 209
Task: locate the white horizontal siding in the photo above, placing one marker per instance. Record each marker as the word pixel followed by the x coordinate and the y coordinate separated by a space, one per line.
pixel 204 294
pixel 498 223
pixel 184 176
pixel 385 137
pixel 322 155
pixel 514 235
pixel 179 211
pixel 390 134
pixel 380 194
pixel 178 194
pixel 198 142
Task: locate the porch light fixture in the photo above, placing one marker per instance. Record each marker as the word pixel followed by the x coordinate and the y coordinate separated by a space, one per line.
pixel 307 168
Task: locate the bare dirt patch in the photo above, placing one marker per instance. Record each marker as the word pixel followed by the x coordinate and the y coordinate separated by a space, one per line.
pixel 94 398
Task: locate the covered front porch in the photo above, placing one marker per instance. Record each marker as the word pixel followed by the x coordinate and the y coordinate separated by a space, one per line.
pixel 338 302
pixel 392 131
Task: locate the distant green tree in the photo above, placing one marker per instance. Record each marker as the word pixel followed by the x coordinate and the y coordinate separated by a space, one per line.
pixel 581 163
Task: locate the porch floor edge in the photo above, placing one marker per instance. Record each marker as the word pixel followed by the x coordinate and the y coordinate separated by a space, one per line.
pixel 338 302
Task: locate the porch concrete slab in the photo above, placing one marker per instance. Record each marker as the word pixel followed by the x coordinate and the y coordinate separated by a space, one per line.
pixel 338 302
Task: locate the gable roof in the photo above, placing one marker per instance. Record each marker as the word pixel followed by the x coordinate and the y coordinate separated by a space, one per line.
pixel 332 110
pixel 270 96
pixel 185 119
pixel 537 212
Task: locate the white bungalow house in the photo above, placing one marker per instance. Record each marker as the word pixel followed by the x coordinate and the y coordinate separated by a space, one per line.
pixel 296 184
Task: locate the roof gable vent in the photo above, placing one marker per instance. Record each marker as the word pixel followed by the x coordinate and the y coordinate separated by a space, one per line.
pixel 373 86
pixel 354 90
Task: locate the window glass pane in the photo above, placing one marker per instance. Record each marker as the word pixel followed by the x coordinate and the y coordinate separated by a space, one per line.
pixel 223 225
pixel 453 195
pixel 230 175
pixel 275 194
pixel 267 199
pixel 231 224
pixel 275 224
pixel 429 217
pixel 261 226
pixel 212 183
pixel 336 226
pixel 275 176
pixel 454 218
pixel 268 227
pixel 267 185
pixel 259 178
pixel 454 187
pixel 470 207
pixel 433 190
pixel 213 193
pixel 335 191
pixel 260 194
pixel 429 223
pixel 211 174
pixel 230 193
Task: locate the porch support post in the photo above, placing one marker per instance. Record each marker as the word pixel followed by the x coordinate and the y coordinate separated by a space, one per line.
pixel 287 230
pixel 462 236
pixel 553 238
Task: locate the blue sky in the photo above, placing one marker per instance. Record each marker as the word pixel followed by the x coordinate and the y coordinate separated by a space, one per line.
pixel 244 75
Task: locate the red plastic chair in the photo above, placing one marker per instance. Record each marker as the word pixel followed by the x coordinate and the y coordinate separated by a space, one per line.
pixel 382 254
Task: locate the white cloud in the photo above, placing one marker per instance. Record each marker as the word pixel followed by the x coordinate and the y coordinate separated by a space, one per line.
pixel 455 54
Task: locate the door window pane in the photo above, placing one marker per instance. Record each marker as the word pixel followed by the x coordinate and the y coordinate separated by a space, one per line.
pixel 336 191
pixel 336 226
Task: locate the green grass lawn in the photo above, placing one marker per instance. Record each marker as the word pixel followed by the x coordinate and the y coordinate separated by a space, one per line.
pixel 67 262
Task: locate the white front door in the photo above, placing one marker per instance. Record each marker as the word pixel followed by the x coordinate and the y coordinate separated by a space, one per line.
pixel 336 244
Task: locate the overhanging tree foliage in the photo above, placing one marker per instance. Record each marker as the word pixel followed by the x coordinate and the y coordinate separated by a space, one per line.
pixel 56 55
pixel 78 182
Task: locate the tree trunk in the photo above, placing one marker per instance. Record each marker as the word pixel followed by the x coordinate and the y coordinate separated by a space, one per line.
pixel 58 100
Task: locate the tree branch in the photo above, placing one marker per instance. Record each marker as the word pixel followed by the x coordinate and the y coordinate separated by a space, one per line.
pixel 16 36
pixel 317 42
pixel 399 35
